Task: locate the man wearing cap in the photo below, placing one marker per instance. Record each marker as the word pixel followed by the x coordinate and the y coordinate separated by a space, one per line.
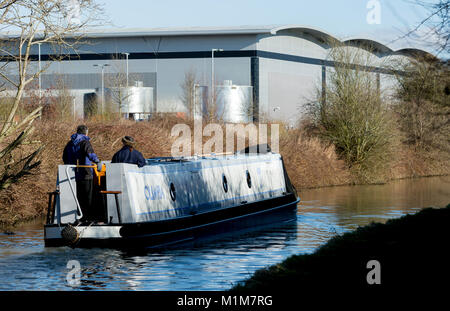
pixel 128 154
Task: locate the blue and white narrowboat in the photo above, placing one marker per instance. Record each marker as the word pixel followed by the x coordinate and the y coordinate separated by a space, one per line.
pixel 171 200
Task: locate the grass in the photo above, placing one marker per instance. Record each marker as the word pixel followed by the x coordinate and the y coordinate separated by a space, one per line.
pixel 310 162
pixel 412 252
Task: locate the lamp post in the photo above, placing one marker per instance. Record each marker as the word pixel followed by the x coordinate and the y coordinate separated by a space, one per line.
pixel 212 73
pixel 39 65
pixel 102 66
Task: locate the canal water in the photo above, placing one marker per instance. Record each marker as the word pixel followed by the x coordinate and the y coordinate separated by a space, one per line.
pixel 213 265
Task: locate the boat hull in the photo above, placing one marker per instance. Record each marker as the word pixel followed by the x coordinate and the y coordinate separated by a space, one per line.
pixel 165 233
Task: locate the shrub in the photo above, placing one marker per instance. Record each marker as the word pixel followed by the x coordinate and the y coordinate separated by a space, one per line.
pixel 350 113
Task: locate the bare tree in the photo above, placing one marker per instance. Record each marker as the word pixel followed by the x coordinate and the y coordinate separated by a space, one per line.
pixel 187 87
pixel 25 25
pixel 435 26
pixel 117 81
pixel 4 5
pixel 423 105
pixel 57 101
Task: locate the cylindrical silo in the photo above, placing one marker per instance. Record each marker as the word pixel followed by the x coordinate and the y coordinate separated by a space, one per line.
pixel 137 99
pixel 234 103
pixel 133 101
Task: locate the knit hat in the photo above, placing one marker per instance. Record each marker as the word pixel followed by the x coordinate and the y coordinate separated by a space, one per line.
pixel 128 141
pixel 82 129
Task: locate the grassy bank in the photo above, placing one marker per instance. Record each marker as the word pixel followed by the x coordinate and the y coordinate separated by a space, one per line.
pixel 411 250
pixel 310 162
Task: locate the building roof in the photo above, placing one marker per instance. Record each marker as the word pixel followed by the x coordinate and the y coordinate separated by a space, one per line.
pixel 178 31
pixel 318 33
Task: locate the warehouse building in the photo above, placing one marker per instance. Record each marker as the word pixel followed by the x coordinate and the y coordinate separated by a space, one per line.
pixel 269 71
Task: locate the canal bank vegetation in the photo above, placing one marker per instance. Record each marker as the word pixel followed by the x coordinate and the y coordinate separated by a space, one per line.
pixel 410 252
pixel 423 104
pixel 351 114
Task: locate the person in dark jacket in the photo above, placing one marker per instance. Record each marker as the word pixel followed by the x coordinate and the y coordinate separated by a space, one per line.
pixel 79 151
pixel 128 154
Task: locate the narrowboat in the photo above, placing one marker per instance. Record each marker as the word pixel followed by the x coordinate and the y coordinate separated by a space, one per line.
pixel 170 200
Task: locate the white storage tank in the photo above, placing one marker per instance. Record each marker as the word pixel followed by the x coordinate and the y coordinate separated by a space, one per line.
pixel 138 100
pixel 134 101
pixel 234 103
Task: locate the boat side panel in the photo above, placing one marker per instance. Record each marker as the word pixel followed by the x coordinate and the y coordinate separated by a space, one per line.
pixel 198 186
pixel 150 195
pixel 114 182
pixel 66 206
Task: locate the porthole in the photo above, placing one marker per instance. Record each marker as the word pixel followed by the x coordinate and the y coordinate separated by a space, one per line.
pixel 224 183
pixel 173 193
pixel 249 179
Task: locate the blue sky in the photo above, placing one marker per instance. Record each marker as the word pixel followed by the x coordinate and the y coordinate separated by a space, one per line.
pixel 343 18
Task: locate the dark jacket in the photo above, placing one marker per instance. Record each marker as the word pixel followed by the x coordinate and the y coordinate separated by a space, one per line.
pixel 127 155
pixel 80 150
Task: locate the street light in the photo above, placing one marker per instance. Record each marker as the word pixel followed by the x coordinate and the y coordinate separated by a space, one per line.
pixel 212 72
pixel 39 64
pixel 126 55
pixel 103 83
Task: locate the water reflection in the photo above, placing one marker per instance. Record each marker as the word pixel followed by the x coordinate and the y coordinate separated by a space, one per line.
pixel 359 205
pixel 213 265
pixel 192 267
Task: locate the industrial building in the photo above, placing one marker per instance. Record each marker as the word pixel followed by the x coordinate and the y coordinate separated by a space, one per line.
pixel 269 72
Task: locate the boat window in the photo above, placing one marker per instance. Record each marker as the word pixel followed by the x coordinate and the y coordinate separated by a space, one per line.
pixel 224 183
pixel 249 179
pixel 173 193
